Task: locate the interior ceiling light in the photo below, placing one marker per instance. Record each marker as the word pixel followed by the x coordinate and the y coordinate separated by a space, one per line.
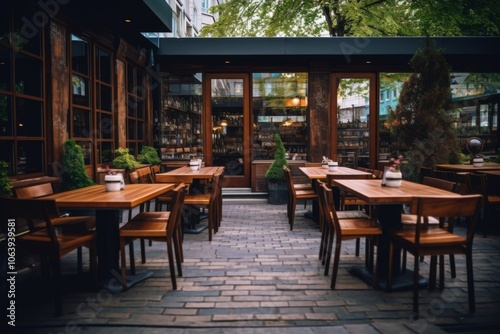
pixel 226 61
pixel 368 61
pixel 128 20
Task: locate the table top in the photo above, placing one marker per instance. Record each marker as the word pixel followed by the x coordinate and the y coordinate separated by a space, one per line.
pixel 185 174
pixel 469 168
pixel 341 172
pixel 371 191
pixel 96 196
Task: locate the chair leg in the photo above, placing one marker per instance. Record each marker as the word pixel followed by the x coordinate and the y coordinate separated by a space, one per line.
pixel 132 256
pixel 143 251
pixel 335 267
pixel 178 256
pixel 470 282
pixel 432 273
pixel 415 286
pixel 441 272
pixel 358 242
pixel 389 267
pixel 56 268
pixel 79 260
pixel 171 264
pixel 291 216
pixel 453 268
pixel 124 263
pixel 328 252
pixel 93 267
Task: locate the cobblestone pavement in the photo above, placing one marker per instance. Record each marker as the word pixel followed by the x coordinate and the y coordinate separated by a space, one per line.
pixel 257 276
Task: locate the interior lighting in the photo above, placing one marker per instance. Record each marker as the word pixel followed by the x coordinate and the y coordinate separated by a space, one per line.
pixel 223 122
pixel 128 20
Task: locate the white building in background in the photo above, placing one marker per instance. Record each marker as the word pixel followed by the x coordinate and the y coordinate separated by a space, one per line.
pixel 189 16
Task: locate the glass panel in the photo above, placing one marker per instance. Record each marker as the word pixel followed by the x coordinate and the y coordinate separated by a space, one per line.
pixel 227 125
pixel 6 115
pixel 81 90
pixel 29 118
pixel 5 21
pixel 81 123
pixel 475 97
pixel 103 66
pixel 7 154
pixel 130 79
pixel 390 88
pixel 79 55
pixel 179 132
pixel 103 97
pixel 28 29
pixel 140 130
pixel 279 106
pixel 105 126
pixel 140 83
pixel 28 75
pixel 106 153
pixel 5 69
pixel 353 113
pixel 140 108
pixel 131 134
pixel 87 151
pixel 132 106
pixel 29 157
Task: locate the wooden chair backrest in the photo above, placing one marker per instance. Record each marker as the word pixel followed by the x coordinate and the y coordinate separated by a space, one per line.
pixel 289 180
pixel 377 174
pixel 440 183
pixel 34 191
pixel 31 211
pixel 155 169
pixel 177 208
pixel 467 206
pixel 312 164
pixel 477 184
pixel 330 214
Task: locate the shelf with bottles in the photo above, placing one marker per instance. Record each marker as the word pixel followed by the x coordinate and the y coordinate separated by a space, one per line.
pixel 191 103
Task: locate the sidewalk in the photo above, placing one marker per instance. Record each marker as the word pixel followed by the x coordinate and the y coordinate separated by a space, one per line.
pixel 257 276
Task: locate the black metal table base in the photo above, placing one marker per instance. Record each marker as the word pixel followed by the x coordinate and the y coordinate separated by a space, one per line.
pixel 114 285
pixel 403 281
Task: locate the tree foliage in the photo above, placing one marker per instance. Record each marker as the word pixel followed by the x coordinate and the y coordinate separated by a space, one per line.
pixel 421 122
pixel 355 18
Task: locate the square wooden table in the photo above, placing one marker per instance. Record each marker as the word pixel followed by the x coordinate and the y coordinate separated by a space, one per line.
pixel 107 205
pixel 389 202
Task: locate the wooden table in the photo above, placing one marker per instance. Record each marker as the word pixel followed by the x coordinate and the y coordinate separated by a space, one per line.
pixel 389 203
pixel 320 173
pixel 193 177
pixel 108 205
pixel 488 166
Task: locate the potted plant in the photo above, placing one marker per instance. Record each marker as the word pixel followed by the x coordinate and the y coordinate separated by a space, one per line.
pixel 277 188
pixel 393 175
pixel 5 181
pixel 74 175
pixel 124 160
pixel 149 155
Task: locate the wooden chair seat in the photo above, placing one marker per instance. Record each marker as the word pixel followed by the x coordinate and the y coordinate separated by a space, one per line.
pixel 151 215
pixel 437 242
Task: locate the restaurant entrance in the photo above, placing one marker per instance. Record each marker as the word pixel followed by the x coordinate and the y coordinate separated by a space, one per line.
pixel 227 126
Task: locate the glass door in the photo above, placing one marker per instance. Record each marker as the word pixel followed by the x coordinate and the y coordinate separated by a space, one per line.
pixel 227 108
pixel 353 120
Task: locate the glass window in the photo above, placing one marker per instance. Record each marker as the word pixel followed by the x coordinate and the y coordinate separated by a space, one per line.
pixel 81 123
pixel 28 75
pixel 280 106
pixel 5 69
pixel 29 118
pixel 80 55
pixel 28 37
pixel 6 115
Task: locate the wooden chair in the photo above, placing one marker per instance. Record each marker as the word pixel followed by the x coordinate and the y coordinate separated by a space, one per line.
pixel 65 221
pixel 326 231
pixel 155 169
pixel 411 218
pixel 346 229
pixel 425 171
pixel 295 195
pixel 159 228
pixel 434 242
pixel 478 184
pixel 49 243
pixel 208 201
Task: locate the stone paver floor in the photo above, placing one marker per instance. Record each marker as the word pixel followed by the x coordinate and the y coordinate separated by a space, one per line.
pixel 257 276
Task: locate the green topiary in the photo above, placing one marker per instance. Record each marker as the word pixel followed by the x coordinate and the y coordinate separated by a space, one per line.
pixel 124 160
pixel 149 155
pixel 275 172
pixel 5 181
pixel 74 175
